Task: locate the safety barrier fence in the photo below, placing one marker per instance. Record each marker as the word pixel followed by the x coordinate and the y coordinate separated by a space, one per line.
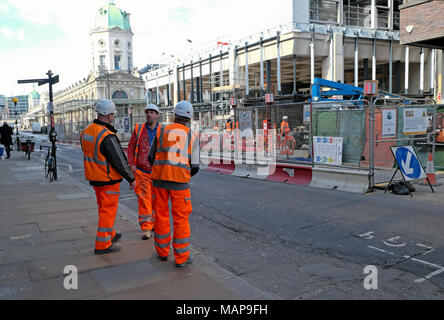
pixel 344 145
pixel 403 122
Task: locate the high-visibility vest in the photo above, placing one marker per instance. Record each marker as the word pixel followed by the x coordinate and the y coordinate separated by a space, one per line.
pixel 229 126
pixel 173 156
pixel 96 166
pixel 285 128
pixel 138 129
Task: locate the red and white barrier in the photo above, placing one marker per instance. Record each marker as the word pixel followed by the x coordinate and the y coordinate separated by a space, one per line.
pixel 280 172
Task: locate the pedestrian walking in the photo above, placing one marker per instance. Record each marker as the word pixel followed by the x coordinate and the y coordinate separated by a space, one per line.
pixel 174 156
pixel 138 150
pixel 6 138
pixel 105 167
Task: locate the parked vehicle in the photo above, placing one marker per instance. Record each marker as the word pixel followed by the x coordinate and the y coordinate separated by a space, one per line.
pixel 36 127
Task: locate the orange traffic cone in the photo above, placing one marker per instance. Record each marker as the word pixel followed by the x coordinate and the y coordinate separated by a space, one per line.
pixel 430 172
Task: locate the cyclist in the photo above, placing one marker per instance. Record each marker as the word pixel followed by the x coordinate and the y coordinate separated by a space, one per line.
pixel 105 167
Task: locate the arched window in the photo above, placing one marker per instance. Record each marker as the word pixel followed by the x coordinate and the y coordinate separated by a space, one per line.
pixel 119 94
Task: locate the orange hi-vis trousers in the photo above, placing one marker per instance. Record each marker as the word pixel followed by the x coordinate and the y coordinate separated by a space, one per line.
pixel 181 210
pixel 108 202
pixel 143 190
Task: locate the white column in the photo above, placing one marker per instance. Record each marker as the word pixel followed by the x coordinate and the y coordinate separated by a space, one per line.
pixel 432 71
pixel 374 15
pixel 356 62
pixel 374 60
pixel 312 61
pixel 421 71
pixel 406 72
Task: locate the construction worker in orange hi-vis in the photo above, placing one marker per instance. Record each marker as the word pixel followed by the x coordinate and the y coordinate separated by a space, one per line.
pixel 138 150
pixel 175 159
pixel 229 126
pixel 105 167
pixel 285 128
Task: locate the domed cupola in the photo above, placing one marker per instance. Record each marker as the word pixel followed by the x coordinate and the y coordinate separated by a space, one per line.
pixel 110 16
pixel 111 39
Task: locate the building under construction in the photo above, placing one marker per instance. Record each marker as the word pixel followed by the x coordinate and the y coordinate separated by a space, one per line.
pixel 338 40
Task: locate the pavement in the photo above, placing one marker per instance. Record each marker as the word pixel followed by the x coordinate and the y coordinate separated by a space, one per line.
pixel 45 227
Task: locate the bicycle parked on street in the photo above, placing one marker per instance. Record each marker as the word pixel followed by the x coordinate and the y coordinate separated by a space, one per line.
pixel 50 163
pixel 28 147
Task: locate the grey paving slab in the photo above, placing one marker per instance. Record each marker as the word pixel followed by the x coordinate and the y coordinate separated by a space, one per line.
pixel 198 287
pixel 124 277
pixel 13 273
pixel 149 292
pixel 53 267
pixel 37 252
pixel 37 239
pixel 74 196
pixel 18 230
pixel 67 224
pixel 53 289
pixel 6 293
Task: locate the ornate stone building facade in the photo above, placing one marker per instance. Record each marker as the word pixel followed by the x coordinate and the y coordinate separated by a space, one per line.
pixel 112 77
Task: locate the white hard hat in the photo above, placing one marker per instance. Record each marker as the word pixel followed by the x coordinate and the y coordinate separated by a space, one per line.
pixel 152 107
pixel 106 107
pixel 285 118
pixel 184 109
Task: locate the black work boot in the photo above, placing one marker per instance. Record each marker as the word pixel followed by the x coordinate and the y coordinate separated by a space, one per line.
pixel 113 248
pixel 189 261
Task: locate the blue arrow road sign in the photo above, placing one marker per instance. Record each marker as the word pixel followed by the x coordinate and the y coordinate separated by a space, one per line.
pixel 409 163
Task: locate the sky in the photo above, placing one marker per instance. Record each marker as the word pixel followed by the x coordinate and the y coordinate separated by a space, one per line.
pixel 37 36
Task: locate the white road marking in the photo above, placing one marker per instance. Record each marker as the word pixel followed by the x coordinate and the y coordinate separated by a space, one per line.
pixel 381 250
pixel 394 239
pixel 368 235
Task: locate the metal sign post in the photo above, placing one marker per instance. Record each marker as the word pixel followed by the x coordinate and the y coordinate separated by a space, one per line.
pixel 53 134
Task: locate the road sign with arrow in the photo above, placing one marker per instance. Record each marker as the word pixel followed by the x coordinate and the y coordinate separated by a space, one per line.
pixel 408 164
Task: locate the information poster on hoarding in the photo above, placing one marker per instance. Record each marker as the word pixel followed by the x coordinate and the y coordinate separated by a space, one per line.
pixel 389 123
pixel 246 124
pixel 328 150
pixel 415 121
pixel 122 125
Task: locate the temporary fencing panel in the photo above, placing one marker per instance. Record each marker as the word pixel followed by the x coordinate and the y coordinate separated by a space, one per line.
pixel 405 123
pixel 346 120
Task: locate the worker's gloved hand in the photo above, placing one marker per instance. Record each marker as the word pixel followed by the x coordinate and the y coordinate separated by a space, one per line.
pixel 133 169
pixel 132 185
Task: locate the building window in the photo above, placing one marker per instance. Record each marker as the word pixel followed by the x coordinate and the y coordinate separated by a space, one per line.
pixel 117 62
pixel 117 42
pixel 119 94
pixel 130 62
pixel 102 60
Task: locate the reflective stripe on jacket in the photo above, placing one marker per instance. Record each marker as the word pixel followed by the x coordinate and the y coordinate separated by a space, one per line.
pixel 96 166
pixel 138 129
pixel 173 157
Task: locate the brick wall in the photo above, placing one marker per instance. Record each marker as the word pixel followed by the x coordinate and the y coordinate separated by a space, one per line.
pixel 427 19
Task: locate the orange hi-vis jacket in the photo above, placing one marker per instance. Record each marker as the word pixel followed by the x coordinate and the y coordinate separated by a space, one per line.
pixel 96 166
pixel 173 156
pixel 285 128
